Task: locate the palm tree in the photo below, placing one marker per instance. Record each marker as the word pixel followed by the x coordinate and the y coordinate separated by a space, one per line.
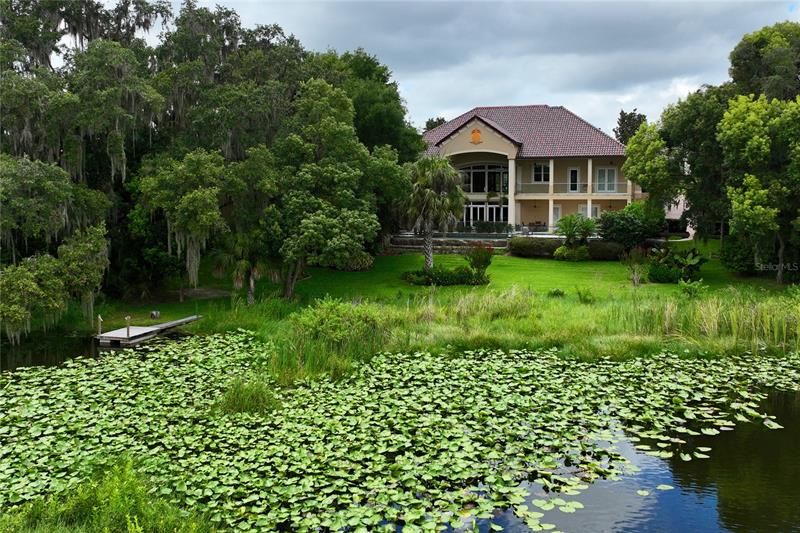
pixel 242 254
pixel 436 199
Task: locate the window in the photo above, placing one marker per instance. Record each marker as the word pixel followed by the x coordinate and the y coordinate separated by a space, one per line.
pixel 574 179
pixel 606 180
pixel 541 173
pixel 582 209
pixel 484 178
pixel 485 212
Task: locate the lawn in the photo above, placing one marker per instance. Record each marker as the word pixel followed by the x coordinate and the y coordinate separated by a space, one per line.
pixel 382 283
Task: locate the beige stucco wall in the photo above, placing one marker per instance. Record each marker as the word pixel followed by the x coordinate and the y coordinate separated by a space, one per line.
pixel 562 165
pixel 491 141
pixel 530 214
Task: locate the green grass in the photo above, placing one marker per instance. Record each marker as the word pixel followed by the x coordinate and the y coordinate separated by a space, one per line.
pixel 601 314
pixel 382 283
pixel 118 501
pixel 249 395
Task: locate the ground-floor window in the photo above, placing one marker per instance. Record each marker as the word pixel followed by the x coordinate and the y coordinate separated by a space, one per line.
pixel 595 210
pixel 485 213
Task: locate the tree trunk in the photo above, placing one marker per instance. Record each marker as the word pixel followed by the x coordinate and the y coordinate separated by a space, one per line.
pixel 428 247
pixel 781 250
pixel 290 279
pixel 251 290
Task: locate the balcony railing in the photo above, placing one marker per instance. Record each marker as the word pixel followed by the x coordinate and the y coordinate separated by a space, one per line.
pixel 561 187
pixel 620 187
pixel 541 188
pixel 565 187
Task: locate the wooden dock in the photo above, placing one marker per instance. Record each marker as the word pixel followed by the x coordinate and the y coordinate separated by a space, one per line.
pixel 133 335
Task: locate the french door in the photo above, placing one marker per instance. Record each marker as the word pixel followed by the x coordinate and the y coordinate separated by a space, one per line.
pixel 574 180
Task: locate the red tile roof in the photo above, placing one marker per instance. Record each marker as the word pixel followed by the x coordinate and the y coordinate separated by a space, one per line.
pixel 541 130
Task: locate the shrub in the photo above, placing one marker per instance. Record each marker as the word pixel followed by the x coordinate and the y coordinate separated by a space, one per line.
pixel 576 229
pixel 585 296
pixel 636 263
pixel 652 216
pixel 249 396
pixel 622 227
pixel 336 322
pixel 556 293
pixel 359 263
pixel 533 246
pixel 632 225
pixel 484 226
pixel 575 253
pixel 692 289
pixel 738 255
pixel 605 250
pixel 686 262
pixel 479 258
pixel 661 273
pixel 441 276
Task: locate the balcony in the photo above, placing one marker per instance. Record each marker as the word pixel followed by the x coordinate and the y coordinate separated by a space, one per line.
pixel 566 187
pixel 535 188
pixel 619 187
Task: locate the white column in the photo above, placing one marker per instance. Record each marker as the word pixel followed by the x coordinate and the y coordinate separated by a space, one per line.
pixel 552 176
pixel 550 213
pixel 631 194
pixel 512 191
pixel 589 182
pixel 589 208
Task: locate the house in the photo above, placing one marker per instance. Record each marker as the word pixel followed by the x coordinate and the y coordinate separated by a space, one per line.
pixel 558 163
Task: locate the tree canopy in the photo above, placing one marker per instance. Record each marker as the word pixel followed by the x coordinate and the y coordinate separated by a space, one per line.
pixel 767 62
pixel 627 124
pixel 213 140
pixel 729 150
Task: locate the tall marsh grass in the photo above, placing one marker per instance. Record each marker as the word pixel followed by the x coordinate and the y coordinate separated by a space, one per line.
pixel 746 320
pixel 117 501
pixel 331 336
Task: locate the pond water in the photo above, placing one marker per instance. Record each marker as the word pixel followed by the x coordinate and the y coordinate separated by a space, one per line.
pixel 44 350
pixel 751 482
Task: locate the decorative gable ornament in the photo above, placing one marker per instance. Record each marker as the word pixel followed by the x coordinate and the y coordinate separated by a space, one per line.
pixel 475 136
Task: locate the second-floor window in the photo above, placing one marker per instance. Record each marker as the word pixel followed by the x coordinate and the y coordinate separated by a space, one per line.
pixel 606 180
pixel 484 177
pixel 541 173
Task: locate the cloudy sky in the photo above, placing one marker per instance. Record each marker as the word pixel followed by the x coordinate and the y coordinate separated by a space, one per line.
pixel 592 57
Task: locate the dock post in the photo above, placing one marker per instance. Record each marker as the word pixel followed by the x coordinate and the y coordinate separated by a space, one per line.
pixel 128 326
pixel 99 325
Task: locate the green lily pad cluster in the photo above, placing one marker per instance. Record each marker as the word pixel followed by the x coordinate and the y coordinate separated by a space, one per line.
pixel 417 440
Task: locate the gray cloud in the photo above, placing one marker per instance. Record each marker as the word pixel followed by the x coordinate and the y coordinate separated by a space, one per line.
pixel 592 57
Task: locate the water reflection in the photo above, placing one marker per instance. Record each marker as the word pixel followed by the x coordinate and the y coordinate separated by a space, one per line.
pixel 46 351
pixel 750 484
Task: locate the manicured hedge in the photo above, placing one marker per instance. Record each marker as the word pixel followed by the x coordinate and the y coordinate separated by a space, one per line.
pixel 546 247
pixel 533 246
pixel 605 250
pixel 441 276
